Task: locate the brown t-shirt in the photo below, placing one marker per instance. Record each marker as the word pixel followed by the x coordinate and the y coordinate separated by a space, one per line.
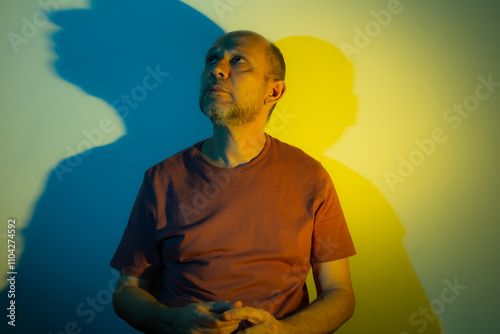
pixel 247 233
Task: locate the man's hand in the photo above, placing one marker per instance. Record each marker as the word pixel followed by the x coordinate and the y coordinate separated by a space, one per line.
pixel 205 318
pixel 263 322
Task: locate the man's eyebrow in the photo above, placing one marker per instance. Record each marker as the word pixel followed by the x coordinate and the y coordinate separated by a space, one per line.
pixel 236 50
pixel 211 50
pixel 241 51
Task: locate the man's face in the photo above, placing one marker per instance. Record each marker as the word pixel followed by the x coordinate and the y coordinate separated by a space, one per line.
pixel 234 82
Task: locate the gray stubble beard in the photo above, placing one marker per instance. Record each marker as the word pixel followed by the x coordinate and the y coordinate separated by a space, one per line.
pixel 231 115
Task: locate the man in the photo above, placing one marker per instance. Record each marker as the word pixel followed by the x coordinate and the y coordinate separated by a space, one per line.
pixel 232 225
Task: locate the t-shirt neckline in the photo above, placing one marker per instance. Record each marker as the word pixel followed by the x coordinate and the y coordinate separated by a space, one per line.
pixel 200 160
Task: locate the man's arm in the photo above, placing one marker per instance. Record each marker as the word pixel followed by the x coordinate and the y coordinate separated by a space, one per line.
pixel 134 302
pixel 335 302
pixel 333 307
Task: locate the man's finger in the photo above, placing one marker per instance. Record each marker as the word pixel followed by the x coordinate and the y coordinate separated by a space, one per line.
pixel 221 306
pixel 246 313
pixel 205 316
pixel 211 320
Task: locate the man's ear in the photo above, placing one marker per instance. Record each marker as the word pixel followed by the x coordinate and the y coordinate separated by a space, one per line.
pixel 277 90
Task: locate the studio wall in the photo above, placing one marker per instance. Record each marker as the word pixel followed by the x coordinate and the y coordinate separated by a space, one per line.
pixel 399 100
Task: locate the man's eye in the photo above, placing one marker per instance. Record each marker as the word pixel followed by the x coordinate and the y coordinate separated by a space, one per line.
pixel 211 60
pixel 238 59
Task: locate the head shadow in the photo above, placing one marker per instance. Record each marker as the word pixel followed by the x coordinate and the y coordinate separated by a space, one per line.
pixel 317 109
pixel 144 58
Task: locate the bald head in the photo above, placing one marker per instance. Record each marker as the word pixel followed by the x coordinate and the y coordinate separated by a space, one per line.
pixel 275 60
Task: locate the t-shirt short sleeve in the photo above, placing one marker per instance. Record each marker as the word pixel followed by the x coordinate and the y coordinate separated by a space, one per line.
pixel 331 238
pixel 138 253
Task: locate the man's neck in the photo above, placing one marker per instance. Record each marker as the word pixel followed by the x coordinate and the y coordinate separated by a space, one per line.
pixel 235 146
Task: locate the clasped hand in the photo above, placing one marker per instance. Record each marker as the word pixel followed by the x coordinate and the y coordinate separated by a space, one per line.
pixel 223 317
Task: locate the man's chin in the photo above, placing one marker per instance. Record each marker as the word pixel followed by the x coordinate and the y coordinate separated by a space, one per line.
pixel 226 116
pixel 224 122
pixel 215 115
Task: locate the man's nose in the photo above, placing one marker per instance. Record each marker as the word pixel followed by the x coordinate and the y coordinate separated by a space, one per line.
pixel 220 70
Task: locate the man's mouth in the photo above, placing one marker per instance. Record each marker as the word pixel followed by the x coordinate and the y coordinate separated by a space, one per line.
pixel 216 89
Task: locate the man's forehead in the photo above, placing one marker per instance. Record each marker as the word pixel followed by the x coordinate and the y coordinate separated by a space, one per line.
pixel 241 40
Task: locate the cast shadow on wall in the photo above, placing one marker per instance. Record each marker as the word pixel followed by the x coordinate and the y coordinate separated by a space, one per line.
pixel 144 59
pixel 318 107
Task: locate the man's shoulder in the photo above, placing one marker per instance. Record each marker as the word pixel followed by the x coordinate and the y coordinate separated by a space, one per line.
pixel 174 163
pixel 293 154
